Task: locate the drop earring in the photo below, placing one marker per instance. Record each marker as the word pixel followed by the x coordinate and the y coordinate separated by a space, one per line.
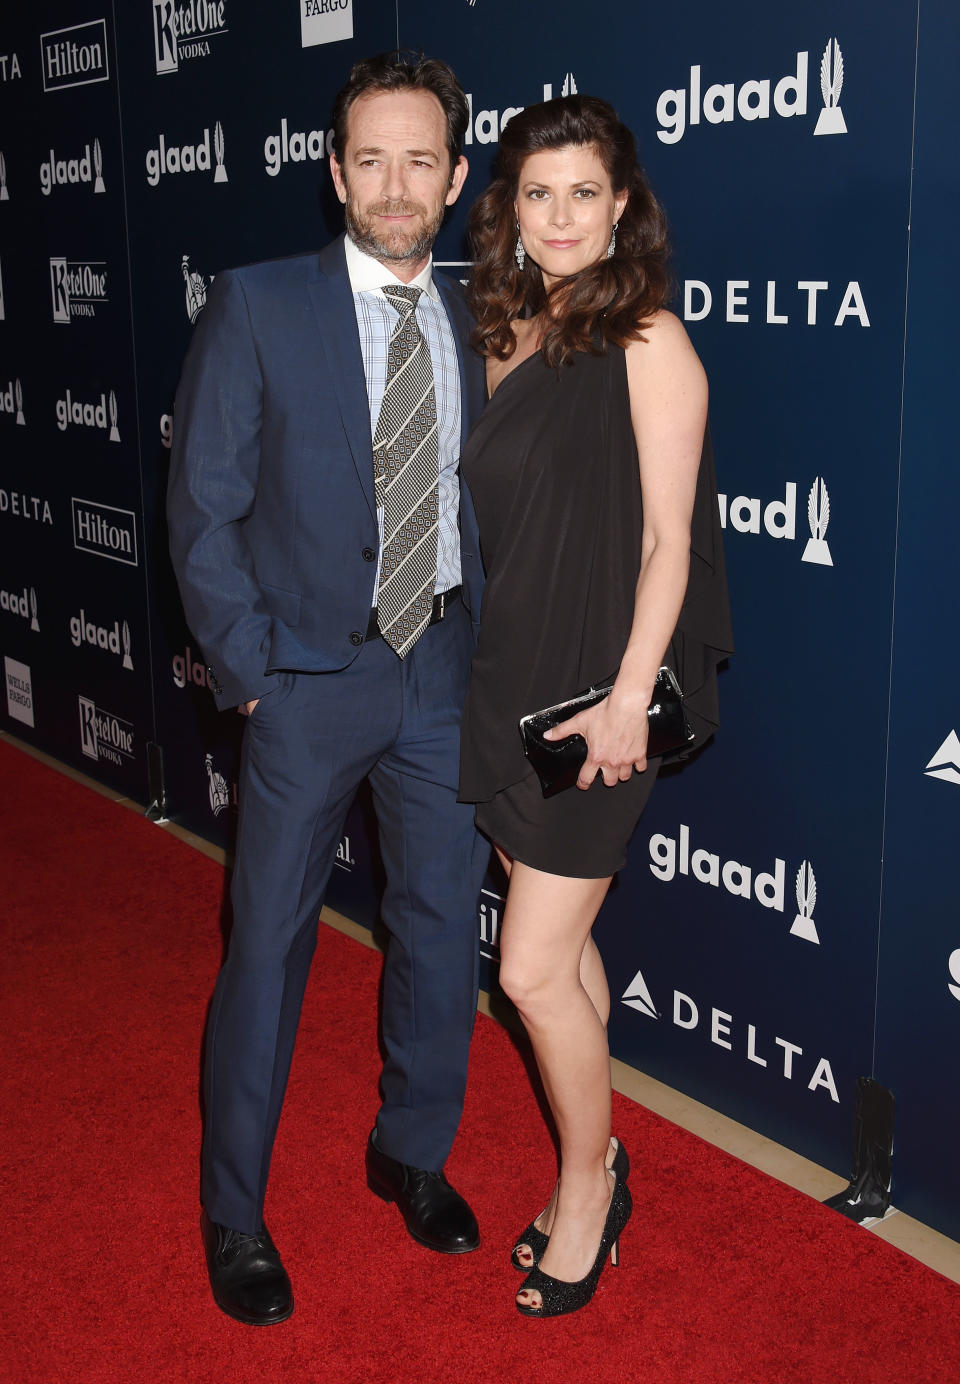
pixel 613 240
pixel 519 254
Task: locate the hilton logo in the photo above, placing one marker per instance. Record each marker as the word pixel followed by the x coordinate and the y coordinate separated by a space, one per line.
pixel 11 401
pixel 105 531
pixel 187 158
pixel 74 411
pixel 325 21
pixel 78 288
pixel 57 172
pixel 490 914
pixel 345 859
pixel 724 102
pixel 104 735
pixel 181 32
pixel 76 56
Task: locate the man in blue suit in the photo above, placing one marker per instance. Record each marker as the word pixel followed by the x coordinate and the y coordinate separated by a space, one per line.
pixel 328 560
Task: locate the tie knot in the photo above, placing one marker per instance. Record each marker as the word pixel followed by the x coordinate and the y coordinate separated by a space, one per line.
pixel 403 297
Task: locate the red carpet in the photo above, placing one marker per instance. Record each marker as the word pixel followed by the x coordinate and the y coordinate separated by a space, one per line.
pixel 111 947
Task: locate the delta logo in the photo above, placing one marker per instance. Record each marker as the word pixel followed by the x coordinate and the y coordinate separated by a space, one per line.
pixel 166 159
pixel 184 32
pixel 750 514
pixel 672 858
pixel 791 1063
pixel 723 102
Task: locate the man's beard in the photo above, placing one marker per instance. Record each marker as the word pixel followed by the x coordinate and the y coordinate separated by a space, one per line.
pixel 399 246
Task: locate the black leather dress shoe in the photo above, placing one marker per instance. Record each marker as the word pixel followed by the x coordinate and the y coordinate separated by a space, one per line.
pixel 435 1215
pixel 248 1280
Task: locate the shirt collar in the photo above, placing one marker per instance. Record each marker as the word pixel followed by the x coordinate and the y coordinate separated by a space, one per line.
pixel 368 275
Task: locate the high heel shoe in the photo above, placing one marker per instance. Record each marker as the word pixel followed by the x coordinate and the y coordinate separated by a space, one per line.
pixel 557 1297
pixel 536 1241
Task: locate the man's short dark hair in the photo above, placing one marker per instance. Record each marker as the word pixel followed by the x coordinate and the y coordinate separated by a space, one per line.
pixel 404 71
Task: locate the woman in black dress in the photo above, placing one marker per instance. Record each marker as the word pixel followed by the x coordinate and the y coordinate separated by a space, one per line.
pixel 593 481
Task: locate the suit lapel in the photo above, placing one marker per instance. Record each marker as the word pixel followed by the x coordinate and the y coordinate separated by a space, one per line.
pixel 332 303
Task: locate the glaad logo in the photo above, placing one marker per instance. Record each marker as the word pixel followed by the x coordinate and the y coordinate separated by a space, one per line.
pixel 187 669
pixel 187 158
pixel 745 513
pixel 325 21
pixel 11 401
pixel 218 790
pixel 76 56
pixel 670 857
pixel 23 506
pixel 56 172
pixel 105 531
pixel 24 605
pixel 184 31
pixel 485 125
pixel 78 288
pixel 166 429
pixel 3 310
pixel 294 148
pixel 4 194
pixel 686 1015
pixel 698 302
pixel 953 964
pixel 945 764
pixel 104 735
pixel 114 641
pixel 724 102
pixel 73 411
pixel 19 691
pixel 197 286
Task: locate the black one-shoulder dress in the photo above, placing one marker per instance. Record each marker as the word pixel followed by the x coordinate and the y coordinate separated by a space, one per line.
pixel 553 470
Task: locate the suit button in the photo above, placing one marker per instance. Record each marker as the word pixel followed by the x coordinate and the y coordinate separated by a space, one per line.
pixel 368 554
pixel 356 637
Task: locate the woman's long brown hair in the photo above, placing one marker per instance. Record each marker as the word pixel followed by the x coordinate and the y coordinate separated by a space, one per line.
pixel 612 300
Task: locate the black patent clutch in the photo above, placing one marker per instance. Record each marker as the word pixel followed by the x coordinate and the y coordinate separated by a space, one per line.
pixel 558 762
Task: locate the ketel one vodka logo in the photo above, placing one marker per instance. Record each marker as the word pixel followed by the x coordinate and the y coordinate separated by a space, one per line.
pixel 218 790
pixel 113 641
pixel 102 414
pixel 721 103
pixel 726 1031
pixel 59 172
pixel 78 288
pixel 182 32
pixel 485 126
pixel 103 735
pixel 4 194
pixel 22 603
pixel 670 857
pixel 751 514
pixel 11 401
pixel 187 158
pixel 76 56
pixel 196 288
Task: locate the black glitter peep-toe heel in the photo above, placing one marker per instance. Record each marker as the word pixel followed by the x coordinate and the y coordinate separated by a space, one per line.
pixel 536 1241
pixel 557 1297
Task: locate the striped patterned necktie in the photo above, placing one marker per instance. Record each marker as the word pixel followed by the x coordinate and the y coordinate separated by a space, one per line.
pixel 406 466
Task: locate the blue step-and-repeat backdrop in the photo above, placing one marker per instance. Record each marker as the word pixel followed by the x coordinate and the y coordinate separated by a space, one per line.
pixel 787 921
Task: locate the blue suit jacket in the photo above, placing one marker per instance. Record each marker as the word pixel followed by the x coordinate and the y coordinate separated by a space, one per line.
pixel 271 503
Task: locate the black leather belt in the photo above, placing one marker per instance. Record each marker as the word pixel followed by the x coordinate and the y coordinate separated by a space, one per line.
pixel 442 602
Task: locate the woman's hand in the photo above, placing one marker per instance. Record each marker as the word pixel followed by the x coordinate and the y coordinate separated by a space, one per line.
pixel 616 734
